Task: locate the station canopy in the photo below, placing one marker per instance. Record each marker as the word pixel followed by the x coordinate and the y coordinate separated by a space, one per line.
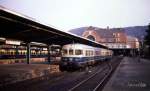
pixel 20 27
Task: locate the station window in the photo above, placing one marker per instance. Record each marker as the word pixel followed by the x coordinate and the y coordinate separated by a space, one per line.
pixel 118 34
pixel 70 51
pixel 78 52
pixel 64 52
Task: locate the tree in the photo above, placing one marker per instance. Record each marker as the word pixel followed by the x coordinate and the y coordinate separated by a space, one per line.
pixel 147 39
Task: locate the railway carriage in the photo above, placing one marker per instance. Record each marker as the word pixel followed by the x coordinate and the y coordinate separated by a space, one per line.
pixel 79 55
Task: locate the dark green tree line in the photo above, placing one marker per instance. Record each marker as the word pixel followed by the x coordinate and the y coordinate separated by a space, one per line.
pixel 147 40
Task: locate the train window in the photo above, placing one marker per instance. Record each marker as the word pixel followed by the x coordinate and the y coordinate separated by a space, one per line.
pixel 97 53
pixel 3 52
pixel 64 52
pixel 78 52
pixel 20 52
pixel 70 51
pixel 11 53
pixel 92 53
pixel 107 53
pixel 87 53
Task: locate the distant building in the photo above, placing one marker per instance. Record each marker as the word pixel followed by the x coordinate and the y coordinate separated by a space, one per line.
pixel 114 38
pixel 132 42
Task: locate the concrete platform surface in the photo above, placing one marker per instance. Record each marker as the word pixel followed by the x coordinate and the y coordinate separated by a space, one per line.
pixel 131 75
pixel 11 73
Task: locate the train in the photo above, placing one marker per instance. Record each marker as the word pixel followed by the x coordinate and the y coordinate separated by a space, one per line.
pixel 37 53
pixel 75 56
pixel 69 56
pixel 13 52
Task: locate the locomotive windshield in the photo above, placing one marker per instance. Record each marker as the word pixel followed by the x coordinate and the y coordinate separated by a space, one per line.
pixel 64 51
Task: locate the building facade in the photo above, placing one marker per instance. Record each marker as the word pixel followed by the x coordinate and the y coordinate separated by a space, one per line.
pixel 114 38
pixel 132 42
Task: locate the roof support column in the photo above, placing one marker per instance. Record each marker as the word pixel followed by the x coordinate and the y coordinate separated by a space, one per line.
pixel 28 52
pixel 17 52
pixel 49 55
pixel 41 52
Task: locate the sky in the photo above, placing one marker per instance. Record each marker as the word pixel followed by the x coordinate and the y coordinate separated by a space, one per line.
pixel 70 14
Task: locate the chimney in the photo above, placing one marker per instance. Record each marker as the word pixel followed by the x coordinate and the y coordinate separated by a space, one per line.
pixel 107 28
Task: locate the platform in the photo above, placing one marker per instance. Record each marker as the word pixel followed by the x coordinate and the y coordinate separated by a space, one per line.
pixel 131 75
pixel 11 73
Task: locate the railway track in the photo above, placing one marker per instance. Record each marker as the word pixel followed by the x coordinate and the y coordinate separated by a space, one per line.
pixel 93 81
pixel 96 81
pixel 43 83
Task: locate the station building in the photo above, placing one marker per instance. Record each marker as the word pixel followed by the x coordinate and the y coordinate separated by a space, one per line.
pixel 115 38
pixel 132 42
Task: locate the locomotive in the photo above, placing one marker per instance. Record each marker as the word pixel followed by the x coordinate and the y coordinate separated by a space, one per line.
pixel 76 56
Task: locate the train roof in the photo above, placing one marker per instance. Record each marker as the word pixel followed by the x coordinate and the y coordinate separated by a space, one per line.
pixel 77 46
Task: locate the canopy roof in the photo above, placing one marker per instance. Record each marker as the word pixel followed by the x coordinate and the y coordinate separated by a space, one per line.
pixel 20 27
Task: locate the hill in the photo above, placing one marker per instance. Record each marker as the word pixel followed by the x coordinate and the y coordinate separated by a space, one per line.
pixel 136 31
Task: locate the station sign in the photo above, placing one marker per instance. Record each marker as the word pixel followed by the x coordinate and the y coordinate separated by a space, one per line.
pixel 12 42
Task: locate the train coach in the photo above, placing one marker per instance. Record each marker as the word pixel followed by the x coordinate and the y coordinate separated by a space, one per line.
pixel 76 56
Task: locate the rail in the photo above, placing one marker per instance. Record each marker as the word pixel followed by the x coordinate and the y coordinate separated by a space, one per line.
pixel 97 78
pixel 101 82
pixel 88 79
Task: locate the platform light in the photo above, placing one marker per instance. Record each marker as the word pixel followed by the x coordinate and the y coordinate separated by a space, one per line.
pixel 13 42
